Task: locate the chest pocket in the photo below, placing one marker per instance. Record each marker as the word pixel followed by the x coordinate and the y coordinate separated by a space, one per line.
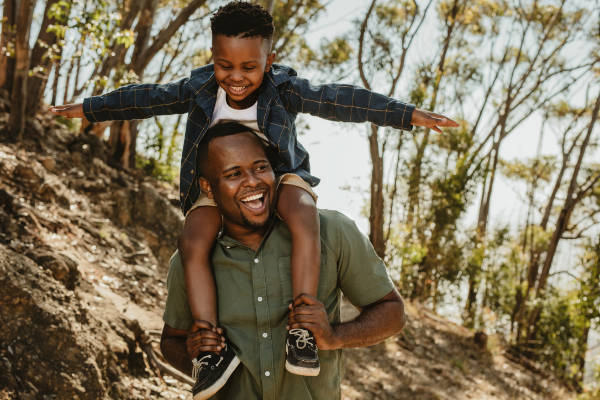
pixel 327 279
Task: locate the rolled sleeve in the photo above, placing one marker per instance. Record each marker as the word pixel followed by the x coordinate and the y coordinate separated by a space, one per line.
pixel 177 310
pixel 363 276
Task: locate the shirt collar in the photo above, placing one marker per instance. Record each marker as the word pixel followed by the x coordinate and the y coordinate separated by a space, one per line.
pixel 228 242
pixel 279 74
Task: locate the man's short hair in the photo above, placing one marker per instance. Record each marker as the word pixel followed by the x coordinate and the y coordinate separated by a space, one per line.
pixel 244 19
pixel 220 130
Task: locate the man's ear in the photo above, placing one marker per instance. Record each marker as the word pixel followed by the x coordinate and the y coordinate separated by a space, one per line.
pixel 205 187
pixel 270 59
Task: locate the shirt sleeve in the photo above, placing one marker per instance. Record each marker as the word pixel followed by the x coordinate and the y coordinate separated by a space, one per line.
pixel 346 103
pixel 362 275
pixel 177 310
pixel 139 101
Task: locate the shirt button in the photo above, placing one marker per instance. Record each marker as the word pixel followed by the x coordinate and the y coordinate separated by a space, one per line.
pixel 267 373
pixel 265 334
pixel 256 260
pixel 259 298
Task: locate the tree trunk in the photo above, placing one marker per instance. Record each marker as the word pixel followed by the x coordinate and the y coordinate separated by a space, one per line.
pixel 19 89
pixel 7 64
pixel 55 81
pixel 120 143
pixel 40 60
pixel 377 205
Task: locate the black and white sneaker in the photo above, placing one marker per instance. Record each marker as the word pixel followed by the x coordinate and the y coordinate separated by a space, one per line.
pixel 301 353
pixel 211 371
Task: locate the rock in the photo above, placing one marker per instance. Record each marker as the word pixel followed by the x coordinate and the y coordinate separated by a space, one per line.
pixel 480 338
pixel 47 193
pixel 89 146
pixel 63 268
pixel 161 233
pixel 49 163
pixel 27 176
pixel 59 356
pixel 122 207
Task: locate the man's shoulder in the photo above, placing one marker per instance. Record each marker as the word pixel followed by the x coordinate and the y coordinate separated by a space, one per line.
pixel 337 227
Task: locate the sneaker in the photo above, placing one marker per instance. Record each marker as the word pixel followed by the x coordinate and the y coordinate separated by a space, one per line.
pixel 301 356
pixel 211 371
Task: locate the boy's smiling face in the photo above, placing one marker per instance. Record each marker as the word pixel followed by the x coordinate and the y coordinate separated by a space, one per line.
pixel 240 65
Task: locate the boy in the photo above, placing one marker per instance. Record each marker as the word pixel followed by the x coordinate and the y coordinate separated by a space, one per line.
pixel 244 85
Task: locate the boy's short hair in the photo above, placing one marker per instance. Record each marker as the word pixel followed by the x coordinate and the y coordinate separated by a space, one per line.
pixel 220 130
pixel 240 18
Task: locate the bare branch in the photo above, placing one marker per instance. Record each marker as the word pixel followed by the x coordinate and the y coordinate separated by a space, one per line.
pixel 361 40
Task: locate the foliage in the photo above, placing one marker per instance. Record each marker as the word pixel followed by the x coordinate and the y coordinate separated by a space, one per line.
pixel 156 169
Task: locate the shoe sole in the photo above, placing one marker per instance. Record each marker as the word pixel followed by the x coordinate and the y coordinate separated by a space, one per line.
pixel 304 371
pixel 219 383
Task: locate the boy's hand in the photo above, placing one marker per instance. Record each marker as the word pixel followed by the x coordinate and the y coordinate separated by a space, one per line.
pixel 69 110
pixel 204 337
pixel 431 120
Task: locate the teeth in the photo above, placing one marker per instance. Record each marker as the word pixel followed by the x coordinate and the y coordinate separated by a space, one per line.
pixel 253 197
pixel 238 88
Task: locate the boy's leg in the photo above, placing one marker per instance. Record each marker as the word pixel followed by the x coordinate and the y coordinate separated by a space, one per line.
pixel 298 209
pixel 296 204
pixel 200 230
pixel 211 370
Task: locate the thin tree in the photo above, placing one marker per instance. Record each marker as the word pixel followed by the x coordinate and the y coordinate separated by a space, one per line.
pixel 19 88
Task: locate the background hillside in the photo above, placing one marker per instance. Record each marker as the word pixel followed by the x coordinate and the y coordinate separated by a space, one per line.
pixel 84 251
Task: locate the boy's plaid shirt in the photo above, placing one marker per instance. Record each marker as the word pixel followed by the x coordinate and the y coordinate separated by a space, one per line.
pixel 282 95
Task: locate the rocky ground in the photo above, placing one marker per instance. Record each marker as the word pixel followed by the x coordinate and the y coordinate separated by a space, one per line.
pixel 84 251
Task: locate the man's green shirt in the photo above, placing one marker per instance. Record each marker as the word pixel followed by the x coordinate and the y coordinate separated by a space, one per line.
pixel 254 291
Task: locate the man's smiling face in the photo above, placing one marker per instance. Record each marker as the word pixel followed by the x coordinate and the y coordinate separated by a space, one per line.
pixel 240 180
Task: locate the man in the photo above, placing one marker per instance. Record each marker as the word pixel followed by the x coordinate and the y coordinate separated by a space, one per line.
pixel 251 262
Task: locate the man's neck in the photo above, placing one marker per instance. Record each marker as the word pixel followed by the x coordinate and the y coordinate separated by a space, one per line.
pixel 248 236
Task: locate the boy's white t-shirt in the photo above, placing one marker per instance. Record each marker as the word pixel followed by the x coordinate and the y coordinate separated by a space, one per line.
pixel 224 113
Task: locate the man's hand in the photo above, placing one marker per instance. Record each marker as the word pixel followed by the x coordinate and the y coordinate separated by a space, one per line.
pixel 69 110
pixel 431 120
pixel 204 337
pixel 309 313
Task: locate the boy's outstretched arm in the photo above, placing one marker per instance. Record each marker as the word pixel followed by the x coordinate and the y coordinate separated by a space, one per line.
pixel 135 101
pixel 69 110
pixel 349 103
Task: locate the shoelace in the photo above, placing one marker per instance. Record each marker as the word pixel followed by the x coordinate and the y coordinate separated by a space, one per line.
pixel 198 365
pixel 303 338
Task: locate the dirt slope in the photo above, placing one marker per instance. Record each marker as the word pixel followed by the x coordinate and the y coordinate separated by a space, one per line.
pixel 84 250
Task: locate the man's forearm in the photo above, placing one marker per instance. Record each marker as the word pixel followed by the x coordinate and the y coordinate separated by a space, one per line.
pixel 374 324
